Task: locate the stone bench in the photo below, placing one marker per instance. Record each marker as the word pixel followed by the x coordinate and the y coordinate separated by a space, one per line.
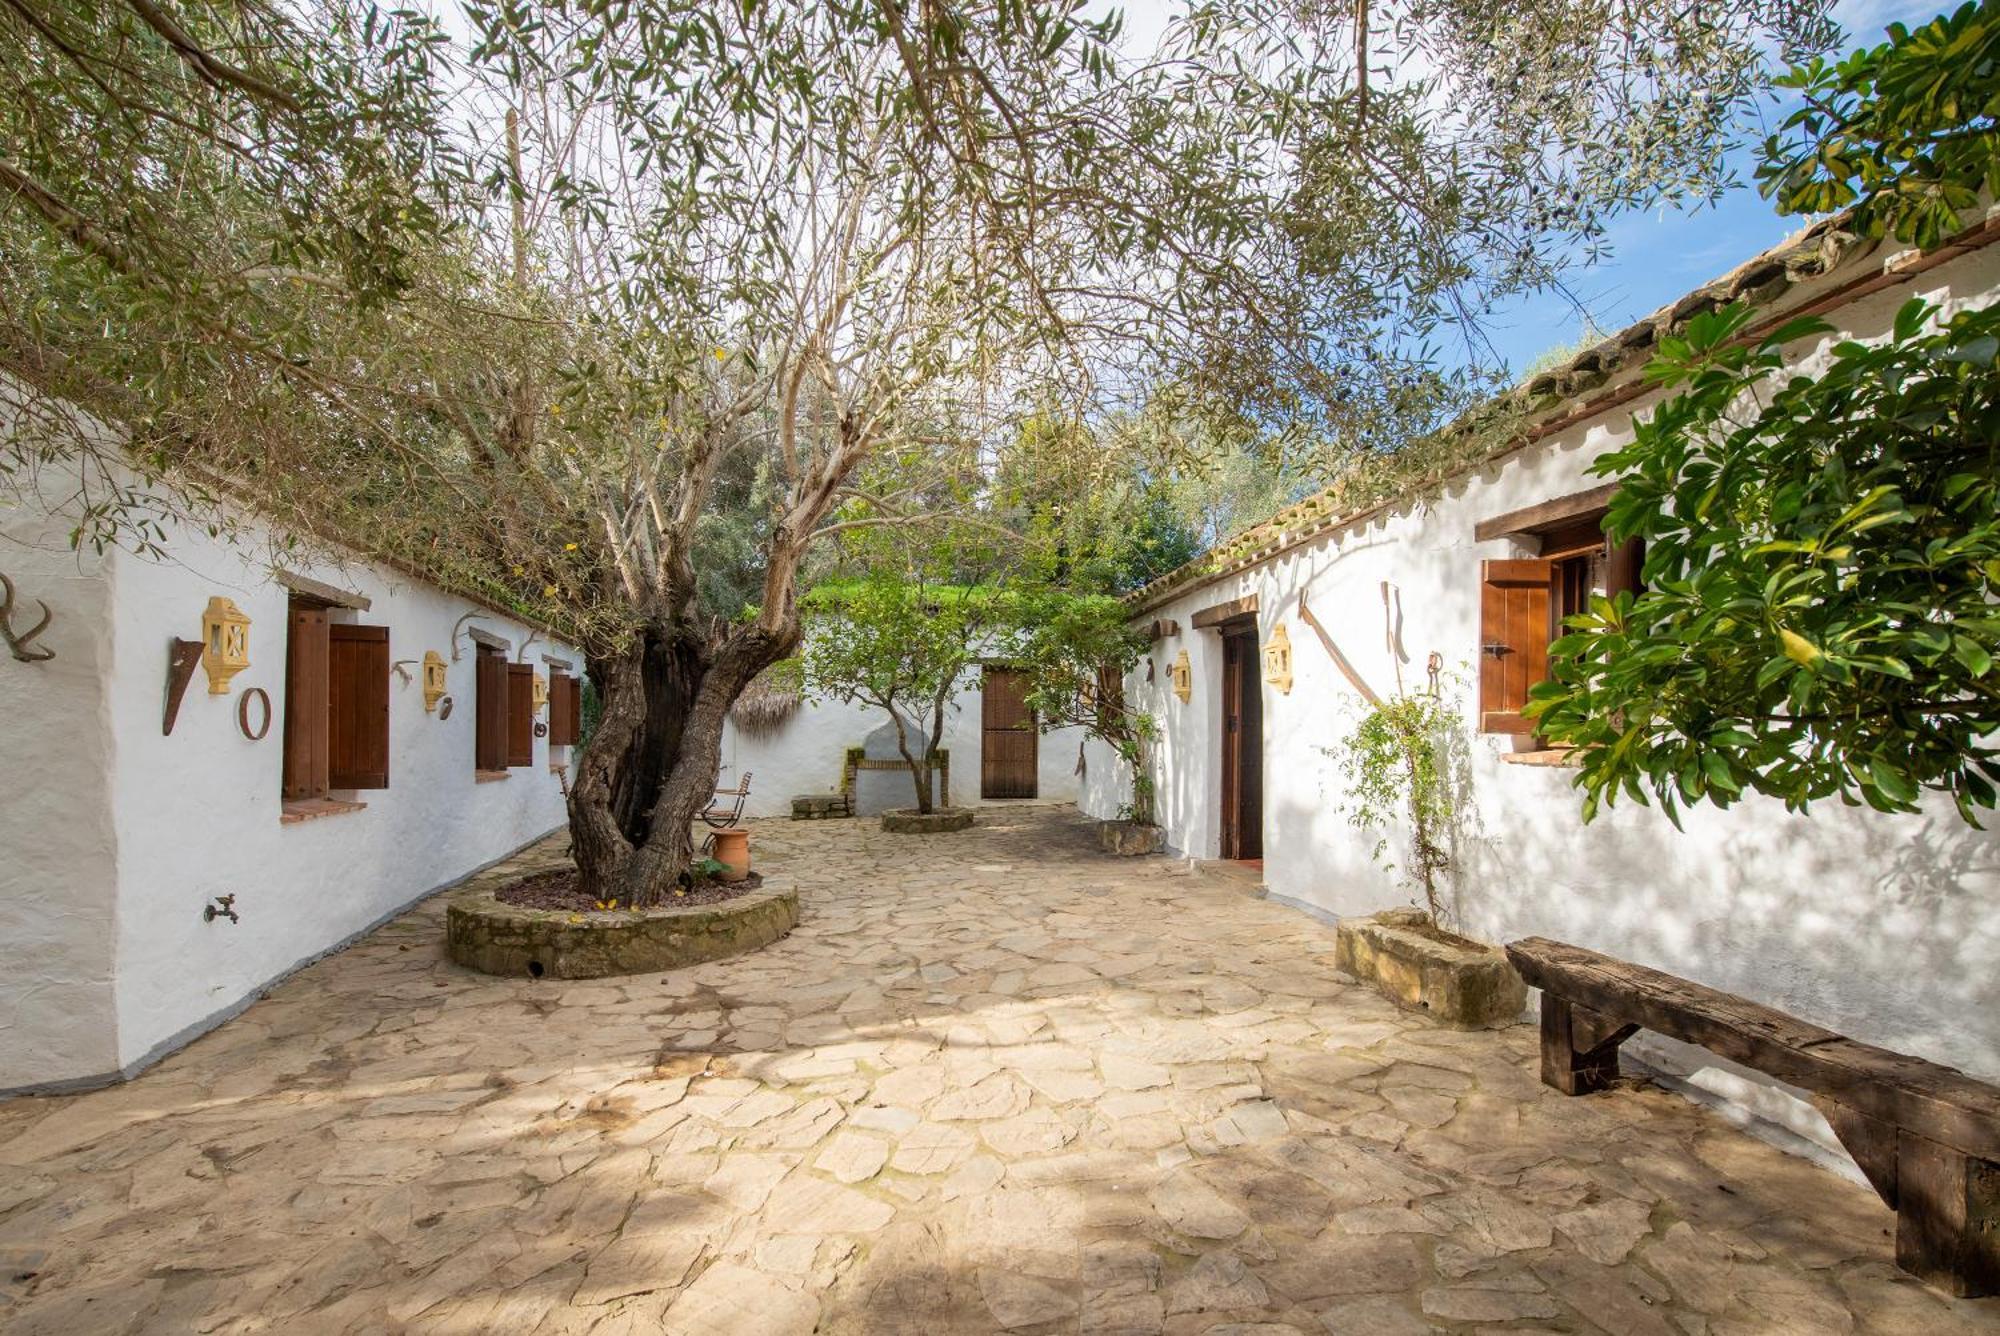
pixel 1927 1136
pixel 822 806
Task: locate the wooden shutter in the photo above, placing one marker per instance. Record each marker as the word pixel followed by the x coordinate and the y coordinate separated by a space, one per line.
pixel 1621 567
pixel 490 686
pixel 575 710
pixel 1514 640
pixel 560 685
pixel 358 706
pixel 520 714
pixel 306 760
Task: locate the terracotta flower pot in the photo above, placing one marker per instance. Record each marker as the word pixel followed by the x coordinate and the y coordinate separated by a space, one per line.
pixel 732 850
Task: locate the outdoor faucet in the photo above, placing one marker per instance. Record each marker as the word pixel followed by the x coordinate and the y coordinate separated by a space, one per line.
pixel 224 907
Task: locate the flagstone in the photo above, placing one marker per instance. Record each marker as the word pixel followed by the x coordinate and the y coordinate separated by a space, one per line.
pixel 851 1157
pixel 1064 1093
pixel 1000 1095
pixel 931 1148
pixel 814 1205
pixel 1190 1206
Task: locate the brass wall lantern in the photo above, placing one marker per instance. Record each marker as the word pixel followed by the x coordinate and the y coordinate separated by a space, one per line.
pixel 433 679
pixel 1278 659
pixel 225 643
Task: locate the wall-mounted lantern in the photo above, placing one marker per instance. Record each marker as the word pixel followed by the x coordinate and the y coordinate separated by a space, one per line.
pixel 540 695
pixel 1278 659
pixel 1183 674
pixel 225 643
pixel 433 679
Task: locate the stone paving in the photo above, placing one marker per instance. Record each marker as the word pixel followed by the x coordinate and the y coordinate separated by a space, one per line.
pixel 994 1081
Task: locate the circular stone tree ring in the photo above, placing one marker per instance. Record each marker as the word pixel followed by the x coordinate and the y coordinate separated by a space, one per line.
pixel 909 821
pixel 484 934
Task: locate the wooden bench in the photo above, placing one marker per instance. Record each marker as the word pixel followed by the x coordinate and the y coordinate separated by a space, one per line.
pixel 1927 1136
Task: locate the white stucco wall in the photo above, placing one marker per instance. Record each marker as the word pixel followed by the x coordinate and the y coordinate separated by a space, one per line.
pixel 197 813
pixel 1883 927
pixel 805 754
pixel 116 836
pixel 58 851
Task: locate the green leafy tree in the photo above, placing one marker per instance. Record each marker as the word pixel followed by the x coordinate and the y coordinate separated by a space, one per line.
pixel 1906 134
pixel 1076 650
pixel 1821 550
pixel 904 646
pixel 1821 574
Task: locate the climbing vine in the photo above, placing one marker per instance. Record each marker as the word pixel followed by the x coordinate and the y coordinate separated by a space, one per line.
pixel 1404 759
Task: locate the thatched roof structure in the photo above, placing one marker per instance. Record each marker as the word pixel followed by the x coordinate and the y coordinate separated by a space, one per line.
pixel 771 699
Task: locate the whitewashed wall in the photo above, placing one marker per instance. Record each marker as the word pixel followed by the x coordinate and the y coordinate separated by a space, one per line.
pixel 804 756
pixel 106 962
pixel 1886 928
pixel 58 851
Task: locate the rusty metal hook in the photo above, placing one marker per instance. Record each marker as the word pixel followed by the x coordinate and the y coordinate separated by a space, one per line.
pixel 17 641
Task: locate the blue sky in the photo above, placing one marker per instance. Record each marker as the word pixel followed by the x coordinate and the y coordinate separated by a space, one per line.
pixel 1658 257
pixel 1655 257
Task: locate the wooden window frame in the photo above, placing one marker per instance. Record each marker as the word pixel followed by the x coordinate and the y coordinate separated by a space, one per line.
pixel 1575 560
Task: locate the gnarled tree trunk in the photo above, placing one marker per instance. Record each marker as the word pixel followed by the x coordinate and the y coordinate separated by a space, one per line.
pixel 650 767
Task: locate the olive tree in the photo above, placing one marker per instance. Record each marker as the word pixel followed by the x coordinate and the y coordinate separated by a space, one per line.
pixel 533 325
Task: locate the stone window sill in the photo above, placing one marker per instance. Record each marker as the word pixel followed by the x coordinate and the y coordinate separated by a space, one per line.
pixel 490 776
pixel 1554 756
pixel 312 809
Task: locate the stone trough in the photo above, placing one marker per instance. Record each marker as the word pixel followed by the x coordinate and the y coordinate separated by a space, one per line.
pixel 1417 965
pixel 483 934
pixel 1130 839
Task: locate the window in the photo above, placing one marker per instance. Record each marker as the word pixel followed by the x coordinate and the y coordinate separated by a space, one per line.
pixel 1524 601
pixel 520 714
pixel 565 708
pixel 504 731
pixel 336 704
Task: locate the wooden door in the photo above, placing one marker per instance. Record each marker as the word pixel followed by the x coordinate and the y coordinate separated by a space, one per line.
pixel 1242 746
pixel 1009 746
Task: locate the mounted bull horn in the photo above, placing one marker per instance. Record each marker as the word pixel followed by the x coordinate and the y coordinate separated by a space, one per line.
pixel 17 642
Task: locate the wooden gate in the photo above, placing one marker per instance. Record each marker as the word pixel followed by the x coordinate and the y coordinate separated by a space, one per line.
pixel 1009 745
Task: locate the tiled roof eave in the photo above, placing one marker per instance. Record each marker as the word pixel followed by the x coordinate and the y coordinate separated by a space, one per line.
pixel 1586 386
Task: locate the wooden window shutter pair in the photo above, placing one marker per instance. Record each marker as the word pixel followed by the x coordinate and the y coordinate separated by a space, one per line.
pixel 1514 636
pixel 336 705
pixel 520 714
pixel 490 692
